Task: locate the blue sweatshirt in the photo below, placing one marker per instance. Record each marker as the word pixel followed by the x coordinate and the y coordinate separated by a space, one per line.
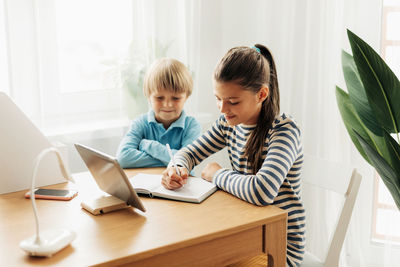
pixel 144 143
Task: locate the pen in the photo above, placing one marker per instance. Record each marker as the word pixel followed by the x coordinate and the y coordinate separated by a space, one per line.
pixel 173 161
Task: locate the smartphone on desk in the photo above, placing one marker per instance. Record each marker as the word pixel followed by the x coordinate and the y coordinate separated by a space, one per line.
pixel 55 194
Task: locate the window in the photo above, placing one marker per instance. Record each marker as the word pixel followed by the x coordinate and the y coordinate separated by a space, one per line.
pixel 386 217
pixel 79 64
pixel 4 75
pixel 63 59
pixel 80 44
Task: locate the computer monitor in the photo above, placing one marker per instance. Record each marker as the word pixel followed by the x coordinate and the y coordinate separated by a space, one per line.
pixel 109 175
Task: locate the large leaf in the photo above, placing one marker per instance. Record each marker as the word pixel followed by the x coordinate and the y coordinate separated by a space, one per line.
pixel 389 176
pixel 357 94
pixel 394 154
pixel 381 85
pixel 350 119
pixel 353 123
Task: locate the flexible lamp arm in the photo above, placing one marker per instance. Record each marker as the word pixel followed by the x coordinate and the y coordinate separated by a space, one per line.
pixel 64 172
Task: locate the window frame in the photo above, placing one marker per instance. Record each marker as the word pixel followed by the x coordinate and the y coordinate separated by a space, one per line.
pixel 378 237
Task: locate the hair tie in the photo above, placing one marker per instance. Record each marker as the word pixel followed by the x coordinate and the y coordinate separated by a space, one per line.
pixel 257 49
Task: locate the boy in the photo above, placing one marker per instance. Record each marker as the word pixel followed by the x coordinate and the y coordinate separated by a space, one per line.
pixel 167 86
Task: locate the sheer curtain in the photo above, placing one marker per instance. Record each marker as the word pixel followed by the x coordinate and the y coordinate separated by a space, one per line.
pixel 167 29
pixel 306 38
pixel 3 52
pixel 82 62
pixel 312 101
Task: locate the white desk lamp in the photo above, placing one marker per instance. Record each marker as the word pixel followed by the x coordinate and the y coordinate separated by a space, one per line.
pixel 51 241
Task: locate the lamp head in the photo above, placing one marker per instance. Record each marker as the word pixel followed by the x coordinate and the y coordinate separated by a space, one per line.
pixel 63 169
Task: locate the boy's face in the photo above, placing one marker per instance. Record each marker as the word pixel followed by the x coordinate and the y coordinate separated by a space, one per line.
pixel 167 105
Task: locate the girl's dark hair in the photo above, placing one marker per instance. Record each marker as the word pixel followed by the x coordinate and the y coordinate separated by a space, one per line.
pixel 253 68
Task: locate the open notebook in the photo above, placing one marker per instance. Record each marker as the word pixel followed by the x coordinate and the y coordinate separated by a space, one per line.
pixel 195 190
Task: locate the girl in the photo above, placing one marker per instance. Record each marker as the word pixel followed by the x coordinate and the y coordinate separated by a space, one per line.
pixel 264 147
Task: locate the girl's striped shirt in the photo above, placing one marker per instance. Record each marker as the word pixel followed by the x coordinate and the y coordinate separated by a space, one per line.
pixel 276 183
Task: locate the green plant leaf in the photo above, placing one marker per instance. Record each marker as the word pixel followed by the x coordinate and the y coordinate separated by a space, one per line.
pixel 389 176
pixel 353 123
pixel 394 153
pixel 357 94
pixel 351 120
pixel 381 85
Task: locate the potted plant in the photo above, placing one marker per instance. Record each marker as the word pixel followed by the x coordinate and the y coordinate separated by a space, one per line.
pixel 129 73
pixel 371 110
pixel 133 70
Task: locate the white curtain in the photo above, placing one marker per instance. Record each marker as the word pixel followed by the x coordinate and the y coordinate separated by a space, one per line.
pixel 306 38
pixel 167 29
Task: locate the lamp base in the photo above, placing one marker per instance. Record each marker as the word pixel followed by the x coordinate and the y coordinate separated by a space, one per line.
pixel 51 242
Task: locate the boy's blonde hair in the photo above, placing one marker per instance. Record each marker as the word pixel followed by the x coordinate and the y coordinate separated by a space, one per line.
pixel 169 74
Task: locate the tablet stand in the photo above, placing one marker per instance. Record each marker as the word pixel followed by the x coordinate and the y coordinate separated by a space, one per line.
pixel 103 204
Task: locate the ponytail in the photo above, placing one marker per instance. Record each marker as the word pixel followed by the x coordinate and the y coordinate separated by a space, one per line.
pixel 253 68
pixel 269 110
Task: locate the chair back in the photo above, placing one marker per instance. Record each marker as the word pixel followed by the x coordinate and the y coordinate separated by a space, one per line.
pixel 338 178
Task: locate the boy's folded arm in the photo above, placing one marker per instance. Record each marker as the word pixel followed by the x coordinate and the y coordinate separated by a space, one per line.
pixel 156 150
pixel 133 158
pixel 129 154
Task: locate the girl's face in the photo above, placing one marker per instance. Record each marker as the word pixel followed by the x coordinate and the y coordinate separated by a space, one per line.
pixel 167 106
pixel 237 104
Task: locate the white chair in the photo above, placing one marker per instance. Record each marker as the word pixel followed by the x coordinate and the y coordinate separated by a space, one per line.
pixel 333 177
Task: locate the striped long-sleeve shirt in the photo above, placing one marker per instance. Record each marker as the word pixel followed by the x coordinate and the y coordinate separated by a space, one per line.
pixel 276 183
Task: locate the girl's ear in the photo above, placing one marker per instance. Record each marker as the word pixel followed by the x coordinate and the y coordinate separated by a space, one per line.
pixel 263 93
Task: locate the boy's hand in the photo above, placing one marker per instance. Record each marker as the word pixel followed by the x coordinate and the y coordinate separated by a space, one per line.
pixel 210 170
pixel 171 180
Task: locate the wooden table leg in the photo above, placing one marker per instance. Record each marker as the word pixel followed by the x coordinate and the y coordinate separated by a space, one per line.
pixel 275 243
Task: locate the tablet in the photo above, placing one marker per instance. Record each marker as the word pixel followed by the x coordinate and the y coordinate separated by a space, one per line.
pixel 109 175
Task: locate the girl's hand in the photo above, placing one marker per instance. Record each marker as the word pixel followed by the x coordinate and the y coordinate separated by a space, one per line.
pixel 171 180
pixel 210 170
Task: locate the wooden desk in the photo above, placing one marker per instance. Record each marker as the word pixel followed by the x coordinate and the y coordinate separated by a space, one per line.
pixel 219 231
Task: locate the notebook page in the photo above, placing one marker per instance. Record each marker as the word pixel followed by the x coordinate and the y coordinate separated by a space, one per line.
pixel 194 189
pixel 146 181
